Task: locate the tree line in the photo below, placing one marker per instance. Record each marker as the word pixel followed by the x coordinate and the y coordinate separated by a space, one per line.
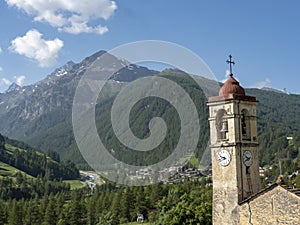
pixel 36 163
pixel 189 202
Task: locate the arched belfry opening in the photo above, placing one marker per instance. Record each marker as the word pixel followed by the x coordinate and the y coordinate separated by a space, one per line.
pixel 245 123
pixel 221 125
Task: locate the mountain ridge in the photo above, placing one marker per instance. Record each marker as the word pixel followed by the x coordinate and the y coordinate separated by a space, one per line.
pixel 40 114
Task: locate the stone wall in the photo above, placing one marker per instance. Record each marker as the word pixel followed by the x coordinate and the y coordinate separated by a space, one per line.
pixel 274 207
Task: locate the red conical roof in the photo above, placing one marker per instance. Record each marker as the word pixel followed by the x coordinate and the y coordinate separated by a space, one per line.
pixel 231 86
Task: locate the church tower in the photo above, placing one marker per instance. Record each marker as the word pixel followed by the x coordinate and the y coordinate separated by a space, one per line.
pixel 234 149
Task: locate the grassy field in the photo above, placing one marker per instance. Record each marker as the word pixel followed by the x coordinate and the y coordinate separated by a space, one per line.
pixel 7 170
pixel 75 184
pixel 135 223
pixel 11 148
pixel 10 171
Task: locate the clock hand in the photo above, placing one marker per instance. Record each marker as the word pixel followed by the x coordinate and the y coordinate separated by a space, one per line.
pixel 221 158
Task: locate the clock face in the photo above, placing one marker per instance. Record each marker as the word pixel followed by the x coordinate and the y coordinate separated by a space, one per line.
pixel 223 157
pixel 247 158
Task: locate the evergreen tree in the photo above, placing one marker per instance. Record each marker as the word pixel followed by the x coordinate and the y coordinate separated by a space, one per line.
pixel 115 205
pixel 3 212
pixel 33 212
pixel 60 201
pixel 141 204
pixel 64 216
pixel 156 193
pixel 44 204
pixel 2 142
pixel 77 210
pixel 91 211
pixel 127 204
pixel 50 217
pixel 108 219
pixel 15 214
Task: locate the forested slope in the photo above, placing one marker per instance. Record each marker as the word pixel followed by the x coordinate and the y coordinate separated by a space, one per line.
pixel 278 118
pixel 26 173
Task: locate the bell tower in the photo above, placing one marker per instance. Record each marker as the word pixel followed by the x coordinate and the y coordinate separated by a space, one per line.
pixel 234 149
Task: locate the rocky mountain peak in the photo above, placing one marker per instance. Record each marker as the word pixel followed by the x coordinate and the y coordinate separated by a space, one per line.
pixel 48 103
pixel 63 70
pixel 57 73
pixel 13 87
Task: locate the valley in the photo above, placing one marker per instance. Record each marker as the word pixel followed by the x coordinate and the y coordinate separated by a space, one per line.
pixel 45 170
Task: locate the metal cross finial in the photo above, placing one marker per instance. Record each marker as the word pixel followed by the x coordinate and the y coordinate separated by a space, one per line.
pixel 230 62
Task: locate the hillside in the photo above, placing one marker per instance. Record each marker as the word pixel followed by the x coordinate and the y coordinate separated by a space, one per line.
pixel 43 119
pixel 10 171
pixel 40 114
pixel 35 163
pixel 26 172
pixel 278 118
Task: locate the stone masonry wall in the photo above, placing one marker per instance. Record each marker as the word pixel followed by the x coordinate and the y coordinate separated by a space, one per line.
pixel 275 207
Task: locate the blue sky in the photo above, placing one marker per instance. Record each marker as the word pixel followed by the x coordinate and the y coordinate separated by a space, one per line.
pixel 263 36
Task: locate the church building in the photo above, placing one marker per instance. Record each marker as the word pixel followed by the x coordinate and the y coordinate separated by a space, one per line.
pixel 237 198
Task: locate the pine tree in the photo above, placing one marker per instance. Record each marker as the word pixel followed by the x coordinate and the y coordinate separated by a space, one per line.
pixel 15 214
pixel 60 201
pixel 115 205
pixel 108 219
pixel 127 205
pixel 77 210
pixel 91 211
pixel 156 193
pixel 64 216
pixel 50 217
pixel 3 213
pixel 2 142
pixel 141 204
pixel 33 212
pixel 44 204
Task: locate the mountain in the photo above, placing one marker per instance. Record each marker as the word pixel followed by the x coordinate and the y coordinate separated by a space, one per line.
pixel 13 87
pixel 274 90
pixel 40 114
pixel 57 74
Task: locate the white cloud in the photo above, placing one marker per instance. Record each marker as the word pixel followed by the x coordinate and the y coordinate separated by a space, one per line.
pixel 70 16
pixel 19 79
pixel 78 28
pixel 5 81
pixel 227 73
pixel 262 84
pixel 34 47
pixel 0 50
